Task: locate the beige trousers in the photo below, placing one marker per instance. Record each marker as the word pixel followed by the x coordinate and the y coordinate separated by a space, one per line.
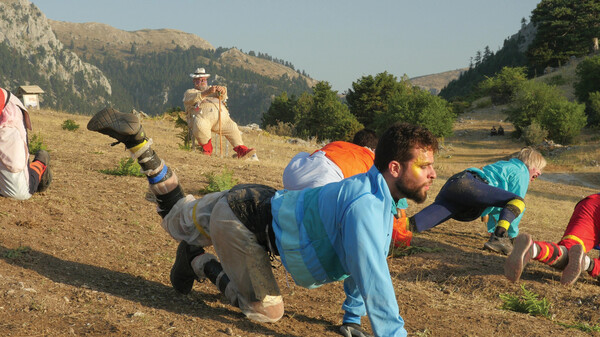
pixel 244 260
pixel 204 119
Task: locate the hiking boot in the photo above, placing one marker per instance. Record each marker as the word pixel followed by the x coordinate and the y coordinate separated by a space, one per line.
pixel 182 273
pixel 499 244
pixel 123 127
pixel 574 266
pixel 46 178
pixel 243 152
pixel 518 259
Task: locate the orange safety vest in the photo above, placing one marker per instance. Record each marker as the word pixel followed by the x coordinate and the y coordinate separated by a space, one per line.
pixel 352 159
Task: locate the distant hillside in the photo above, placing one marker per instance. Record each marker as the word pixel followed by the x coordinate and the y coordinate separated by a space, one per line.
pixel 83 67
pixel 30 53
pixel 93 37
pixel 488 63
pixel 97 39
pixel 434 83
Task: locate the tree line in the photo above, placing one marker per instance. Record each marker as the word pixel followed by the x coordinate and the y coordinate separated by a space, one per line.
pixel 373 102
pixel 563 29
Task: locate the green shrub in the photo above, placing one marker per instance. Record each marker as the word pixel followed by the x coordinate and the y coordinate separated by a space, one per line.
pixel 587 72
pixel 219 182
pixel 528 303
pixel 534 134
pixel 593 108
pixel 281 129
pixel 459 107
pixel 36 143
pixel 418 107
pixel 126 167
pixel 544 104
pixel 564 121
pixel 70 125
pixel 556 80
pixel 504 85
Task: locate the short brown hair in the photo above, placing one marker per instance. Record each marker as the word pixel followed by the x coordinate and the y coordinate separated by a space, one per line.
pixel 366 137
pixel 397 142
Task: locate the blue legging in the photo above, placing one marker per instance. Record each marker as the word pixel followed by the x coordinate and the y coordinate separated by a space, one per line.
pixel 464 197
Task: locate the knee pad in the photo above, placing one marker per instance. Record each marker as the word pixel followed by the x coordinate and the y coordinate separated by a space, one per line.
pixel 516 206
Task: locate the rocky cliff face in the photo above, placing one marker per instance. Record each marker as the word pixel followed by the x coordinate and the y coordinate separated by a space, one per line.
pixel 26 30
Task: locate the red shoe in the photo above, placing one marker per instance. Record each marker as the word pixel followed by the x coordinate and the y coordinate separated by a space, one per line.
pixel 243 152
pixel 207 148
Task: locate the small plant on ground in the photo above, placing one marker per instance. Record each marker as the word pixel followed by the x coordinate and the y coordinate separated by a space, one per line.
pixel 219 182
pixel 126 167
pixel 528 303
pixel 185 134
pixel 70 125
pixel 281 129
pixel 17 252
pixel 585 327
pixel 36 143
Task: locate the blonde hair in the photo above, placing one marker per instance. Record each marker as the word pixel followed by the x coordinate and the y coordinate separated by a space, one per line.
pixel 532 158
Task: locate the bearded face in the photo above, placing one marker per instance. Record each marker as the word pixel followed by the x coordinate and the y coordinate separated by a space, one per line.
pixel 417 176
pixel 201 83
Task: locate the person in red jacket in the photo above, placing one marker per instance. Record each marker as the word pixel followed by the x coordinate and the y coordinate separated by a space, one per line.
pixel 569 254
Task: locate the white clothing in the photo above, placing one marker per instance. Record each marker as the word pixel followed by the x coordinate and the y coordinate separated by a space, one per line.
pixel 307 171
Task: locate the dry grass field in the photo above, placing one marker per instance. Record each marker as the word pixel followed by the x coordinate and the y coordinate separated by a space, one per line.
pixel 88 257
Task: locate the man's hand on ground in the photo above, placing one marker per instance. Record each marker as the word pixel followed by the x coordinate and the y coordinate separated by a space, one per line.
pixel 353 330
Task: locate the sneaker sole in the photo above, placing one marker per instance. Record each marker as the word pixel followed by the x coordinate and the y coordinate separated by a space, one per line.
pixel 518 259
pixel 573 268
pixel 491 248
pixel 119 122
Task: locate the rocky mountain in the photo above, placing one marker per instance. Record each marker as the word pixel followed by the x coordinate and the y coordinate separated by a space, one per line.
pixel 27 37
pixel 85 66
pixel 87 39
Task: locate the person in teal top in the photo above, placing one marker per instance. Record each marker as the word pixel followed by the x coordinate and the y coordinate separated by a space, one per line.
pixel 496 190
pixel 341 231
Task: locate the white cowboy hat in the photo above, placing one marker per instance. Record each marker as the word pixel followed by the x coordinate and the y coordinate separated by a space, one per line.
pixel 200 72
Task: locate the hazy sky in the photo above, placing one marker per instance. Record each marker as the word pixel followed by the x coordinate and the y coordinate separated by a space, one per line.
pixel 332 40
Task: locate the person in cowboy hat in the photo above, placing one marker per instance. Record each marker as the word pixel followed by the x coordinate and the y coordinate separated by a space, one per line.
pixel 202 106
pixel 19 179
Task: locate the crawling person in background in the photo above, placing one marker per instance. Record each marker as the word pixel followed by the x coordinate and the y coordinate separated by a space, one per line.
pixel 19 179
pixel 340 231
pixel 569 254
pixel 333 162
pixel 339 160
pixel 202 105
pixel 497 190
